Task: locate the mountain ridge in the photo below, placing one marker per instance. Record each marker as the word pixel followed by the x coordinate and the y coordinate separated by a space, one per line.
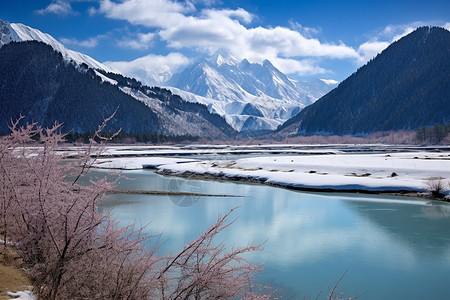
pixel 167 114
pixel 16 32
pixel 37 82
pixel 226 86
pixel 404 87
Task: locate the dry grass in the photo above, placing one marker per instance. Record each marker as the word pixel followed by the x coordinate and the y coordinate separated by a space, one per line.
pixel 435 186
pixel 12 278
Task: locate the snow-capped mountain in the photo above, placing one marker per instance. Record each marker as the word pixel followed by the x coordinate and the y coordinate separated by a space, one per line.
pixel 249 96
pixel 16 32
pixel 78 91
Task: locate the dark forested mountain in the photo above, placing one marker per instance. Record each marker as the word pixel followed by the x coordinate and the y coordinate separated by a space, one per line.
pixel 36 82
pixel 407 86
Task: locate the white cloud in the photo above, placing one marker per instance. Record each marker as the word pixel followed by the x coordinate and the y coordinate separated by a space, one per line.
pixel 181 26
pixel 308 32
pixel 383 39
pixel 330 81
pixel 151 68
pixel 92 11
pixel 293 50
pixel 58 7
pixel 405 32
pixel 299 67
pixel 89 43
pixel 215 29
pixel 290 43
pixel 239 14
pixel 155 13
pixel 146 37
pixel 395 32
pixel 207 2
pixel 141 41
pixel 369 50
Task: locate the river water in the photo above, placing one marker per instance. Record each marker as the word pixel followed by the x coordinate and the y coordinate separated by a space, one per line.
pixel 388 247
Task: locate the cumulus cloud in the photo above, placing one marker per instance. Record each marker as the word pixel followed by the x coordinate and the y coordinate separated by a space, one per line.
pixel 383 39
pixel 140 41
pixel 89 43
pixel 300 67
pixel 181 26
pixel 58 7
pixel 308 32
pixel 155 13
pixel 151 69
pixel 391 33
pixel 290 43
pixel 369 50
pixel 207 2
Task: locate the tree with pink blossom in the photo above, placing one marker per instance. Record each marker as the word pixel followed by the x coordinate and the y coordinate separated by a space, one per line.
pixel 72 251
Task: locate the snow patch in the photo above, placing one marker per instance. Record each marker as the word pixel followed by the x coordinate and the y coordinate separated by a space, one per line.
pixel 105 79
pixel 25 295
pixel 326 168
pixel 330 81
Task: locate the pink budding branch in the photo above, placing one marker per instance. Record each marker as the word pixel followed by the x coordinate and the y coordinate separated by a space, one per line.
pixel 72 251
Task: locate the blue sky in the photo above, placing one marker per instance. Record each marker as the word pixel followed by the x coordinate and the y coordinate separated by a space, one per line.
pixel 303 38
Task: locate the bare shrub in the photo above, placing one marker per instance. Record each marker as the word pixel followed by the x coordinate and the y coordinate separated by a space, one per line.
pixel 205 271
pixel 435 185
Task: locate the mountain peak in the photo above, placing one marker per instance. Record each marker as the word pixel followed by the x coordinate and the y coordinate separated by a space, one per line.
pixel 227 86
pixel 16 32
pixel 266 63
pixel 221 57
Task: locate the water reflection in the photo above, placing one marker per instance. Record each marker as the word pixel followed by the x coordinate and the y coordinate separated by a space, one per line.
pixel 422 231
pixel 391 247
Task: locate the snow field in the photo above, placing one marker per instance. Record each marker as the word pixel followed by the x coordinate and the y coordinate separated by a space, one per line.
pixel 383 172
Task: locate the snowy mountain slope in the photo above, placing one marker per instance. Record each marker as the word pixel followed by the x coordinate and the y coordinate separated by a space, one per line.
pixel 223 77
pixel 179 121
pixel 249 96
pixel 16 32
pixel 269 112
pixel 171 115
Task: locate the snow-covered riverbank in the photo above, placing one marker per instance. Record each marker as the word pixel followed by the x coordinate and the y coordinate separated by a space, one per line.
pixel 385 170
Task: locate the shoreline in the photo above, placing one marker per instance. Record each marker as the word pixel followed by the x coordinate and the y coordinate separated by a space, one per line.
pixel 253 180
pixel 363 169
